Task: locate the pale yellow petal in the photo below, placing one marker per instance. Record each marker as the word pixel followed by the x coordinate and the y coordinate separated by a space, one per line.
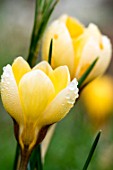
pixel 63 52
pixel 88 47
pixel 36 91
pixel 45 67
pixel 60 78
pixel 61 105
pixel 95 32
pixel 104 55
pixel 10 95
pixel 90 52
pixel 20 67
pixel 86 43
pixel 78 45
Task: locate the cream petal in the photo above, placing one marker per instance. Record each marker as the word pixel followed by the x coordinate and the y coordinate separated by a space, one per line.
pixel 90 52
pixel 104 59
pixel 10 96
pixel 60 78
pixel 20 67
pixel 60 105
pixel 45 67
pixel 36 91
pixel 62 45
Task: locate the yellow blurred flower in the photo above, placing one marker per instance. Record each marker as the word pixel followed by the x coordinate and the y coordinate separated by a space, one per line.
pixel 77 47
pixel 36 98
pixel 98 98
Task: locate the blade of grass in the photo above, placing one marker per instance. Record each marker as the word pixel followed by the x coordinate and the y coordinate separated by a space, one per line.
pixel 85 75
pixel 92 151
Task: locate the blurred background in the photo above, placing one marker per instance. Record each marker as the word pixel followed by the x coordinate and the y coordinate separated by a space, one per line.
pixel 74 135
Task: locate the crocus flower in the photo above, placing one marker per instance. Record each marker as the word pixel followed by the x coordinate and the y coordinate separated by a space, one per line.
pixel 77 47
pixel 100 94
pixel 36 98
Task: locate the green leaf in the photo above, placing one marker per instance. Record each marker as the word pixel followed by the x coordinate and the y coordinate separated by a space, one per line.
pixel 88 71
pixel 92 151
pixel 50 51
pixel 43 11
pixel 35 159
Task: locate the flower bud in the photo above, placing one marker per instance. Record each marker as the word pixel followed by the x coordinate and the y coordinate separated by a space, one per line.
pixel 98 99
pixel 77 47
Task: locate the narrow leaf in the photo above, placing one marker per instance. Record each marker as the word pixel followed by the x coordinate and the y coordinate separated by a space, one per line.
pixel 35 159
pixel 92 151
pixel 50 51
pixel 85 75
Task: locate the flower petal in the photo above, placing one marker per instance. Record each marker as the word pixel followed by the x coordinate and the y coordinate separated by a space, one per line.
pixel 61 105
pixel 36 91
pixel 20 67
pixel 60 78
pixel 74 27
pixel 45 67
pixel 88 47
pixel 62 45
pixel 10 95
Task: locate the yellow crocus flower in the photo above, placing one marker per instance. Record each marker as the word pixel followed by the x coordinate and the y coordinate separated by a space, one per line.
pixel 36 98
pixel 98 98
pixel 77 47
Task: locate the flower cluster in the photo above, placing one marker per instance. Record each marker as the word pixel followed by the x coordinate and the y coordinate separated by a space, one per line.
pixel 39 97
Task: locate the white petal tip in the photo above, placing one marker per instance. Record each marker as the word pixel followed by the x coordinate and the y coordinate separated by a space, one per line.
pixel 6 72
pixel 72 94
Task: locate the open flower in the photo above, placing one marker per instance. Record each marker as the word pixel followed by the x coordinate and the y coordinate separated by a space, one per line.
pixel 36 98
pixel 77 47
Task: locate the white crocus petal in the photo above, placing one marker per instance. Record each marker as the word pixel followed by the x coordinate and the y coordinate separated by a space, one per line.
pixel 10 95
pixel 61 105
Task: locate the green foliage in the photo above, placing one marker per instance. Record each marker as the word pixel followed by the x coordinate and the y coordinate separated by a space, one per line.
pixel 92 151
pixel 43 11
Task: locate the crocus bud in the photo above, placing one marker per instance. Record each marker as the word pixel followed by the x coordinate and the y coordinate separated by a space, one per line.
pixel 77 47
pixel 36 98
pixel 98 99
